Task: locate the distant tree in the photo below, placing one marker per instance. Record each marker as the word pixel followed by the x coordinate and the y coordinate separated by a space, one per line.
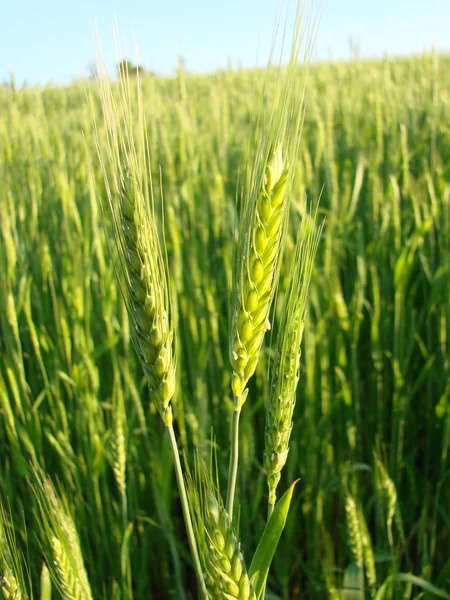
pixel 126 66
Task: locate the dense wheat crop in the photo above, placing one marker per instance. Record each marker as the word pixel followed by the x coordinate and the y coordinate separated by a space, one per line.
pixel 371 431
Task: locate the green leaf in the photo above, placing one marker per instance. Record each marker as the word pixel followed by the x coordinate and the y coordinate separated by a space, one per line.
pixel 353 584
pixel 268 543
pixel 413 580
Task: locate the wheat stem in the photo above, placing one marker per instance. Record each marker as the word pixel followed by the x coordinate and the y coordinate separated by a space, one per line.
pixel 234 460
pixel 186 512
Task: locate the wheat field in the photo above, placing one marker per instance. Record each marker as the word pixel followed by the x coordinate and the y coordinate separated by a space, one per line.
pixel 370 441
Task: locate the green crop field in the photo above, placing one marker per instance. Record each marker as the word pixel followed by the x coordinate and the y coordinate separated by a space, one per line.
pixel 88 488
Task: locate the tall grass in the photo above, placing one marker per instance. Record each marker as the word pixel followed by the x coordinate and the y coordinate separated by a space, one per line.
pixel 371 431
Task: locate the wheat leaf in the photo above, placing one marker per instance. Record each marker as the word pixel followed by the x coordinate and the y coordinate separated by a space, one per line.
pixel 268 543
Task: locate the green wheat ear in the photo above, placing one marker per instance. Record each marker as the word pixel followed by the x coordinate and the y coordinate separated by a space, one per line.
pixel 263 232
pixel 261 235
pixel 265 212
pixel 285 370
pixel 62 544
pixel 141 264
pixel 222 560
pixel 10 588
pixel 12 580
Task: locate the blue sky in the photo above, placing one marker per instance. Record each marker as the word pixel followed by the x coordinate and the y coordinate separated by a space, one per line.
pixel 49 40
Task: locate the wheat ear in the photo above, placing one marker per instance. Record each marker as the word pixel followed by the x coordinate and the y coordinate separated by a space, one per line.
pixel 259 270
pixel 12 580
pixel 141 264
pixel 66 559
pixel 262 230
pixel 369 559
pixel 68 582
pixel 285 370
pixel 387 493
pixel 10 588
pixel 220 553
pixel 354 530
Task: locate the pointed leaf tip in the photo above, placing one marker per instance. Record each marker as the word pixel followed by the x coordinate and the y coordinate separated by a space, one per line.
pixel 268 543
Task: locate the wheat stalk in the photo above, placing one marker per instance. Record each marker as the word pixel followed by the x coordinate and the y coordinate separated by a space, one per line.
pixel 142 263
pixel 286 367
